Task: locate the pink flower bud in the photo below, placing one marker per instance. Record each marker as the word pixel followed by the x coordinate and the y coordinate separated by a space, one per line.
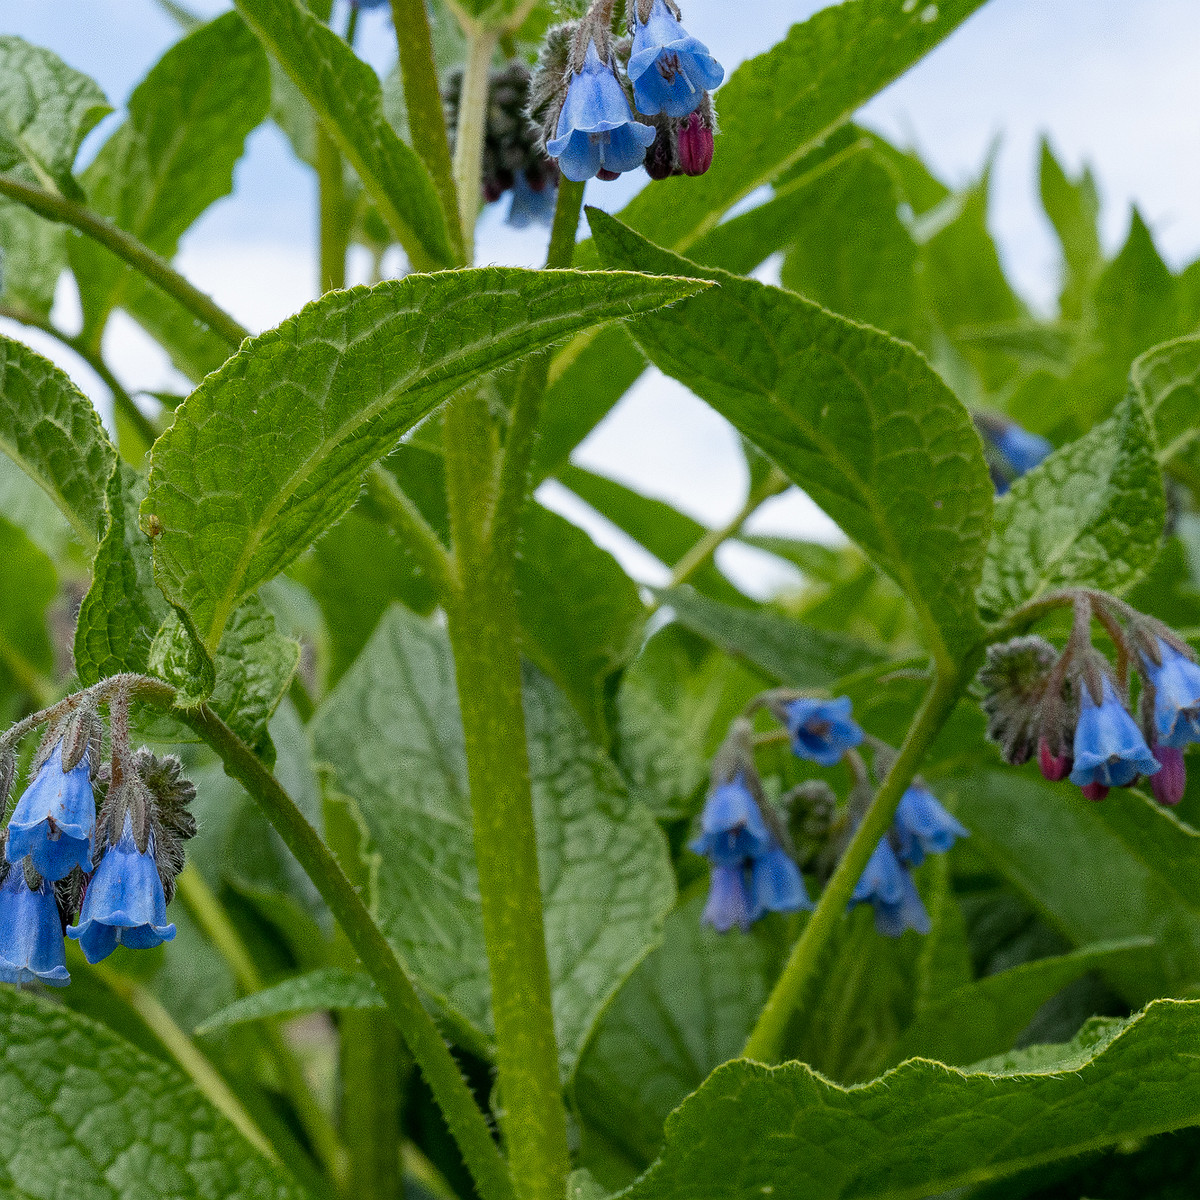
pixel 607 175
pixel 1094 791
pixel 1054 767
pixel 1169 783
pixel 695 146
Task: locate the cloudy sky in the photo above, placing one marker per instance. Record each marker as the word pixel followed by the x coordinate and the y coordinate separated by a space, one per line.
pixel 1111 82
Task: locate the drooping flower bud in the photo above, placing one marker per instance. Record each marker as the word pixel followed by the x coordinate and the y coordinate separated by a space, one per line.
pixel 1109 749
pixel 1173 682
pixel 1054 766
pixel 54 818
pixel 888 887
pixel 695 142
pixel 1014 677
pixel 1170 783
pixel 660 158
pixel 922 826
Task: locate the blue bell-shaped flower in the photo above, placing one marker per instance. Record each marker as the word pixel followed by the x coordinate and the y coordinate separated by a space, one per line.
pixel 54 819
pixel 821 730
pixel 732 827
pixel 776 884
pixel 729 899
pixel 888 887
pixel 530 205
pixel 1176 682
pixel 124 902
pixel 31 933
pixel 1109 749
pixel 670 70
pixel 923 826
pixel 596 128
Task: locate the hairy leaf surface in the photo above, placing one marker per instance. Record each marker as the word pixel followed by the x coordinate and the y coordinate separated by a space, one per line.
pixel 314 991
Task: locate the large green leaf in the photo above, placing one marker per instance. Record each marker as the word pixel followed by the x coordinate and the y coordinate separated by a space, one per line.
pixel 1091 515
pixel 86 1114
pixel 49 428
pixel 46 110
pixel 857 419
pixel 1167 379
pixel 391 730
pixel 175 153
pixel 1133 869
pixel 924 1128
pixel 28 584
pixel 796 654
pixel 778 106
pixel 33 254
pixel 581 616
pixel 268 452
pixel 346 95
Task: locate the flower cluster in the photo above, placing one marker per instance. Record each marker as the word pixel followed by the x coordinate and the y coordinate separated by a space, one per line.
pixel 1078 711
pixel 116 868
pixel 755 857
pixel 1010 451
pixel 513 157
pixel 581 96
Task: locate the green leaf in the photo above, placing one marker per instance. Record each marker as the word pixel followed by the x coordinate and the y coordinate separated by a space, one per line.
pixel 1073 207
pixel 49 428
pixel 46 110
pixel 123 608
pixel 777 107
pixel 790 651
pixel 1167 380
pixel 664 531
pixel 89 1115
pixel 1134 869
pixel 857 419
pixel 174 154
pixel 267 453
pixel 581 616
pixel 345 94
pixel 28 583
pixel 925 1128
pixel 317 991
pixel 1091 515
pixel 687 1008
pixel 33 254
pixel 194 349
pixel 985 1017
pixel 392 732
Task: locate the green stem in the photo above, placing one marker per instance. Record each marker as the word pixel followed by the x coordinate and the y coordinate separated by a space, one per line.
pixel 184 1051
pixel 472 123
pixel 370 1056
pixel 467 1124
pixel 122 401
pixel 130 250
pixel 407 521
pixel 214 921
pixel 513 481
pixel 484 635
pixel 333 218
pixel 707 546
pixel 791 992
pixel 423 100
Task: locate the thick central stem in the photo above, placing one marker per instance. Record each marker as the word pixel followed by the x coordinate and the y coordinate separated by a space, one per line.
pixel 472 125
pixel 483 631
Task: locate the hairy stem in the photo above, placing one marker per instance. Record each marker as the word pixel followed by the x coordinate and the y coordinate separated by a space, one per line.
pixel 220 930
pixel 472 122
pixel 426 118
pixel 333 216
pixel 129 250
pixel 467 1124
pixel 395 505
pixel 792 991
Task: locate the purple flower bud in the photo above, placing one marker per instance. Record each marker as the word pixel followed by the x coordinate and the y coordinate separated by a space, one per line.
pixel 1169 783
pixel 1109 747
pixel 695 146
pixel 1094 791
pixel 1054 767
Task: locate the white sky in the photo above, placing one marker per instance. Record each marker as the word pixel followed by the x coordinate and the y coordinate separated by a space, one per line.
pixel 1112 82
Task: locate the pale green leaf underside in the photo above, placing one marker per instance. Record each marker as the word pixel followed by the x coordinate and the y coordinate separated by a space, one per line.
pixel 316 991
pixel 924 1128
pixel 268 452
pixel 87 1114
pixel 49 428
pixel 857 419
pixel 46 110
pixel 1090 515
pixel 347 97
pixel 1167 378
pixel 392 732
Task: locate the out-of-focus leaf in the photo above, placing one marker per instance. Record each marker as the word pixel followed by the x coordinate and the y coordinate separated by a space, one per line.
pixel 316 991
pixel 1073 207
pixel 28 584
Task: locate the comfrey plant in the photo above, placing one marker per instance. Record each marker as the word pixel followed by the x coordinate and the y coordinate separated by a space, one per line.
pixel 116 870
pixel 584 888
